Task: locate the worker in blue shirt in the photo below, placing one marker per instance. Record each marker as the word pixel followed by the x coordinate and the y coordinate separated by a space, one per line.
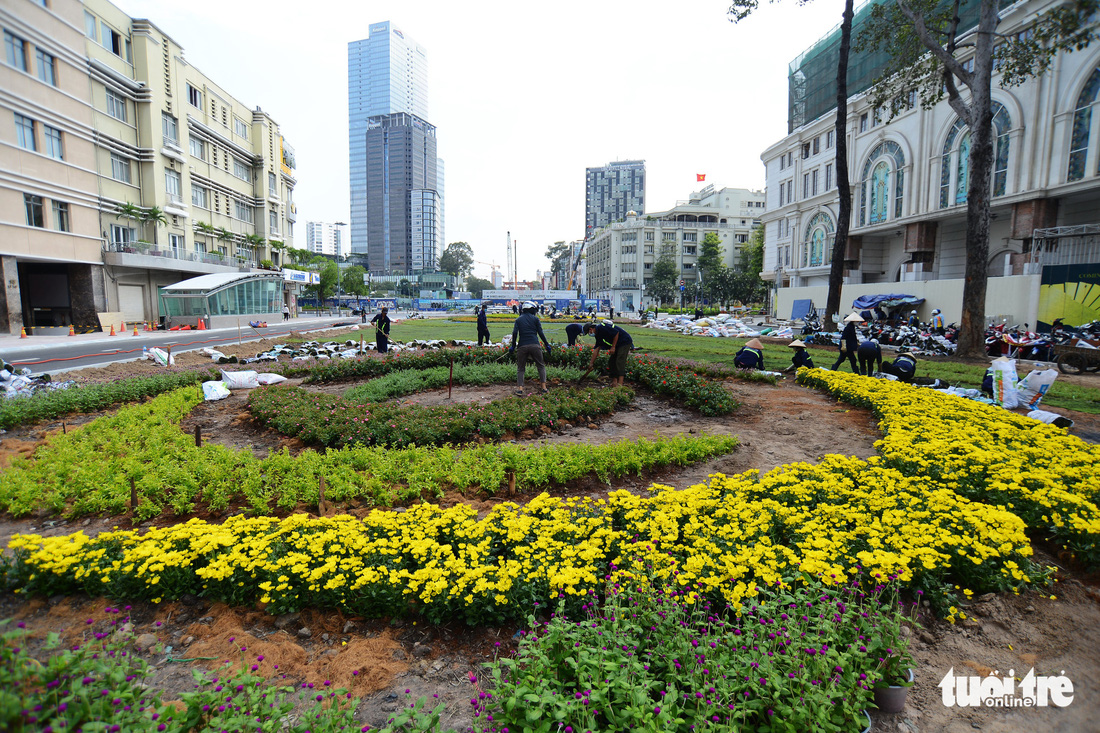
pixel 937 322
pixel 482 326
pixel 573 331
pixel 618 344
pixel 526 334
pixel 904 366
pixel 849 342
pixel 870 357
pixel 751 356
pixel 801 357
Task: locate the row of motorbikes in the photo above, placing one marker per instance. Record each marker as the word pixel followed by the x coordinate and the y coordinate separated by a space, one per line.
pixel 1000 339
pixel 919 337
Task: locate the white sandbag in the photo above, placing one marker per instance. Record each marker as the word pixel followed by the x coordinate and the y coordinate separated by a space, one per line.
pixel 270 378
pixel 162 357
pixel 214 391
pixel 1034 387
pixel 240 380
pixel 1004 383
pixel 1051 418
pixel 215 355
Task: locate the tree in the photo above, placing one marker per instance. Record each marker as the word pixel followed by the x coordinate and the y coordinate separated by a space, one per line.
pixel 353 280
pixel 559 254
pixel 477 285
pixel 457 259
pixel 843 185
pixel 740 9
pixel 710 264
pixel 666 275
pixel 130 212
pixel 156 217
pixel 330 275
pixel 926 39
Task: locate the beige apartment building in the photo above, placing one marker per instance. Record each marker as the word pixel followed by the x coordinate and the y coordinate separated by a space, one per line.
pixel 125 169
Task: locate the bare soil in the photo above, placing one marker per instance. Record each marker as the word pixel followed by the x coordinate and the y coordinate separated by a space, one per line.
pixel 775 425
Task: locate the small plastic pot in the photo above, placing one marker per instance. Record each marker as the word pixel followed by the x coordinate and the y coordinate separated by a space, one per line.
pixel 892 699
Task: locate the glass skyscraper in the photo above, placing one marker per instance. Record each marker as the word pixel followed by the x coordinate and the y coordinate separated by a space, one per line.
pixel 395 175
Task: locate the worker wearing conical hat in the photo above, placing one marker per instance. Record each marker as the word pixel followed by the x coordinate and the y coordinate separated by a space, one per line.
pixel 849 342
pixel 801 357
pixel 751 356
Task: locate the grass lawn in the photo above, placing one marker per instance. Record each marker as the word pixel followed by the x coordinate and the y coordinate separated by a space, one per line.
pixel 722 350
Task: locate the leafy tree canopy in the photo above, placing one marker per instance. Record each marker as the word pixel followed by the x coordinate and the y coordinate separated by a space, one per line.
pixel 352 281
pixel 477 285
pixel 457 259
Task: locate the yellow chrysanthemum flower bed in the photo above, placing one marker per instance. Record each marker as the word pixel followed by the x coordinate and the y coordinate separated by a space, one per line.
pixel 842 517
pixel 1050 479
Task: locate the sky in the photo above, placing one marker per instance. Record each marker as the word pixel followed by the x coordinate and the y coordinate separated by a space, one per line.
pixel 524 97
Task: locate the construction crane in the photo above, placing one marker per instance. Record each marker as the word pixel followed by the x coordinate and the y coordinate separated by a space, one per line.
pixel 494 267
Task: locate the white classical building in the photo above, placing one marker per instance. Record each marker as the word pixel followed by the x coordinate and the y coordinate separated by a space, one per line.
pixel 327 238
pixel 909 186
pixel 619 258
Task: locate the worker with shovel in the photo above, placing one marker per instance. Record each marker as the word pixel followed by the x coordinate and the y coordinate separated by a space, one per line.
pixel 381 323
pixel 618 344
pixel 526 334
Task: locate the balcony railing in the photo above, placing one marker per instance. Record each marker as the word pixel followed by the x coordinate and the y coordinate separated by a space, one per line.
pixel 153 250
pixel 174 199
pixel 171 142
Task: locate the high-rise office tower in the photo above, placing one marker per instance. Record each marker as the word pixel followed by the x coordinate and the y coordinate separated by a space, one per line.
pixel 396 176
pixel 611 191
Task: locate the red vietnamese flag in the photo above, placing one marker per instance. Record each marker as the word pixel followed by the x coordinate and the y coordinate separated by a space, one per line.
pixel 700 177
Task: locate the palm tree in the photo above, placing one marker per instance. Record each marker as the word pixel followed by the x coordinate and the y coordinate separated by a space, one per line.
pixel 280 247
pixel 130 212
pixel 156 216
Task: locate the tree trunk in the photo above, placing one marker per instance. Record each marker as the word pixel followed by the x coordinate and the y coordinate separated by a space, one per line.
pixel 972 325
pixel 844 212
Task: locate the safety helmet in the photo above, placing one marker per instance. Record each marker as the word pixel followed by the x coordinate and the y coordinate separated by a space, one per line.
pixel 529 305
pixel 913 313
pixel 935 311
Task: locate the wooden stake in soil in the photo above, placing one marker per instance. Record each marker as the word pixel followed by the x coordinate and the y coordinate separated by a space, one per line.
pixel 451 378
pixel 512 483
pixel 63 430
pixel 133 495
pixel 321 496
pixel 238 332
pixel 198 436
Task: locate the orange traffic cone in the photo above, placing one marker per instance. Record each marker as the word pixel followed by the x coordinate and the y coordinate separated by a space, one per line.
pixel 147 326
pixel 22 333
pixel 135 329
pixel 202 325
pixel 122 327
pixel 72 331
pixel 113 330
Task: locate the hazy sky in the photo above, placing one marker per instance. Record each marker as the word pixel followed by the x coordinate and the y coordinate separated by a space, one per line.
pixel 525 96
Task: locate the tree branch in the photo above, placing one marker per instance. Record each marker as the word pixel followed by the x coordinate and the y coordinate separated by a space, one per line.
pixel 949 62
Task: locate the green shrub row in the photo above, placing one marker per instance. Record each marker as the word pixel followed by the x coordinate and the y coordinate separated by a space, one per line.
pixel 91 397
pixel 406 382
pixel 88 470
pixel 331 420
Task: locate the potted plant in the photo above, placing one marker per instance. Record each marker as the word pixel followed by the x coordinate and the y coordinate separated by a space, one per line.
pixel 886 634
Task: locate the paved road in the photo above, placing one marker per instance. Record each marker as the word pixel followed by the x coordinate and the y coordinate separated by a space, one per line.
pixel 58 354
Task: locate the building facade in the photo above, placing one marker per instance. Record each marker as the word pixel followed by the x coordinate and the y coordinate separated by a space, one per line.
pixel 326 238
pixel 149 172
pixel 619 258
pixel 909 185
pixel 611 191
pixel 396 175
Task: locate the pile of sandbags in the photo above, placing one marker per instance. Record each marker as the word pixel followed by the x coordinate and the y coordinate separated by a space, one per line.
pixel 722 325
pixel 24 383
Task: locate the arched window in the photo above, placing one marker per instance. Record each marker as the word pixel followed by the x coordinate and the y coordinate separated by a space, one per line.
pixel 878 198
pixel 1082 125
pixel 817 247
pixel 955 169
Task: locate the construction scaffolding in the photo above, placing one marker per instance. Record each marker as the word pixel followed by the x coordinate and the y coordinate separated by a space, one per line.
pixel 811 79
